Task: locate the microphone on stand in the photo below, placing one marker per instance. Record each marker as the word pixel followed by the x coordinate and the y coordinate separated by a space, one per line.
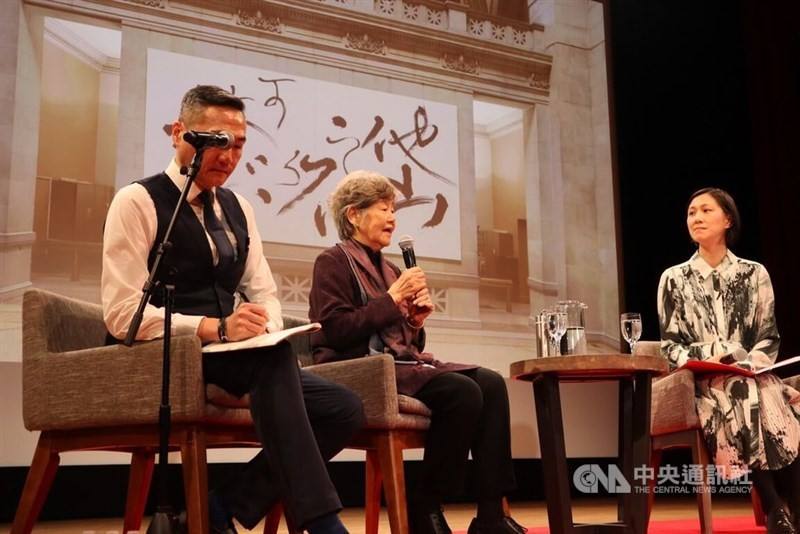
pixel 406 244
pixel 198 140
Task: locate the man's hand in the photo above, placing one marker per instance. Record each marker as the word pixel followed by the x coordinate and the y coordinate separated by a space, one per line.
pixel 410 282
pixel 246 321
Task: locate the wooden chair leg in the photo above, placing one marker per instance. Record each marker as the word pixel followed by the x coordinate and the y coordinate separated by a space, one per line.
pixel 758 510
pixel 390 457
pixel 372 501
pixel 37 485
pixel 655 463
pixel 273 518
pixel 700 457
pixel 195 481
pixel 141 475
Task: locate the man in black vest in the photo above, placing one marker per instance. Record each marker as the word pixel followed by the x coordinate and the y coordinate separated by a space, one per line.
pixel 302 420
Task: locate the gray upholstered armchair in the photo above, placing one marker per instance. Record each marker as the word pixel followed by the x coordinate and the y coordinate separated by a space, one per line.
pixel 674 424
pixel 82 395
pixel 394 422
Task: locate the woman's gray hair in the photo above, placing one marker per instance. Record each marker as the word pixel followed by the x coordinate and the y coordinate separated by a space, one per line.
pixel 360 190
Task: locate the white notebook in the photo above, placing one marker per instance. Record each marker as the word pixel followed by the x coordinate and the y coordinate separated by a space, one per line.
pixel 267 339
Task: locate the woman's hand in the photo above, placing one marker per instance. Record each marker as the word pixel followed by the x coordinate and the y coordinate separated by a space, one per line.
pixel 717 359
pixel 420 307
pixel 736 355
pixel 409 283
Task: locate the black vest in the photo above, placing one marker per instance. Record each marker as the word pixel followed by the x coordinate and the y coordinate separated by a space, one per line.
pixel 200 287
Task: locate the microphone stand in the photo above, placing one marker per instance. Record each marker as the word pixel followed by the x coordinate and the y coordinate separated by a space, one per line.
pixel 164 519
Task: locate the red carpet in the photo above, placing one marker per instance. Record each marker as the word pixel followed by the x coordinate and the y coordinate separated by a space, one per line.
pixel 722 525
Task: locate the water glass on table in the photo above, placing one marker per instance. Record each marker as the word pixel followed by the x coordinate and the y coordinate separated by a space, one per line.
pixel 630 324
pixel 556 323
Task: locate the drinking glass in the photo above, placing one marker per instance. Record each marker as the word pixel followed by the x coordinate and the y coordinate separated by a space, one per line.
pixel 631 326
pixel 556 323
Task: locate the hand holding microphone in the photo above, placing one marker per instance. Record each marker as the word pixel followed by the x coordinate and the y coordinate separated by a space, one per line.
pixel 412 280
pixel 408 284
pixel 414 285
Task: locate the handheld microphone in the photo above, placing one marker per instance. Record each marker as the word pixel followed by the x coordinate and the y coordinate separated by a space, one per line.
pixel 199 140
pixel 407 246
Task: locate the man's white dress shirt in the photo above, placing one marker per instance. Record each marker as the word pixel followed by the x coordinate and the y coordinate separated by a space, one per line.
pixel 130 234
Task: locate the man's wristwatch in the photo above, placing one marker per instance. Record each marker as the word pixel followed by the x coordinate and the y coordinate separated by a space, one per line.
pixel 222 331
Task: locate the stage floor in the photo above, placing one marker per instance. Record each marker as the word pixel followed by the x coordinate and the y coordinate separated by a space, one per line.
pixel 530 514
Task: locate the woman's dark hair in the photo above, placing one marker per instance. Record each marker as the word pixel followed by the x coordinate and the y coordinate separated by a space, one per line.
pixel 726 202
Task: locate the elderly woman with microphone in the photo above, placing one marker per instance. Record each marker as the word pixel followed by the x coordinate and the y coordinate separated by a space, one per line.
pixel 366 306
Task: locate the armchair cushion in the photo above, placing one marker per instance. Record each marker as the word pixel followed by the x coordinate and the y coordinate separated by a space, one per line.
pixel 410 405
pixel 367 377
pixel 222 399
pixel 373 379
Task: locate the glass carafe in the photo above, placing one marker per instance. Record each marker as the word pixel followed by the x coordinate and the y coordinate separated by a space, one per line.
pixel 574 340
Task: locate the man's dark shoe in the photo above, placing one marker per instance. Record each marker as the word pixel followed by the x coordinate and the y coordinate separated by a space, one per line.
pixel 183 526
pixel 326 524
pixel 223 529
pixel 516 526
pixel 779 522
pixel 505 525
pixel 219 518
pixel 427 521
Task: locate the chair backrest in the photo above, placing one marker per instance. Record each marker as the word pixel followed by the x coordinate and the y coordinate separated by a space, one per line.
pixel 55 323
pixel 648 348
pixel 301 345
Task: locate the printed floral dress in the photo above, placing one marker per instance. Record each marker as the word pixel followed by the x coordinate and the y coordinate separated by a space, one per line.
pixel 704 312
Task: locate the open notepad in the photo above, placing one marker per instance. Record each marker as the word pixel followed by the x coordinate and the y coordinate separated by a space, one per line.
pixel 264 340
pixel 783 369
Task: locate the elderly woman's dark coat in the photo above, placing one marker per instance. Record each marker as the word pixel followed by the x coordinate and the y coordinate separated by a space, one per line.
pixel 348 324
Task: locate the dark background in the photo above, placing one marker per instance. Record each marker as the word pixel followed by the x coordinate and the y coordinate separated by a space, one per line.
pixel 705 93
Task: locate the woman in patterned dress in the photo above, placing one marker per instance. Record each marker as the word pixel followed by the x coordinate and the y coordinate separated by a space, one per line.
pixel 711 307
